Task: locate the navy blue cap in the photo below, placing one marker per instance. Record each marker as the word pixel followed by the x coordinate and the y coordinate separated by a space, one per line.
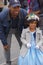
pixel 14 3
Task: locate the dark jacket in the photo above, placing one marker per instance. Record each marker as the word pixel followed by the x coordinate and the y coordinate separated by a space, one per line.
pixel 9 22
pixel 41 5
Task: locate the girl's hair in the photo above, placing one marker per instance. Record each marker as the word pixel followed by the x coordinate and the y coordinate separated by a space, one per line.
pixel 31 18
pixel 30 21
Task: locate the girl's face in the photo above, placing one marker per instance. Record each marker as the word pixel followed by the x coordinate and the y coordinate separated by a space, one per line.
pixel 33 25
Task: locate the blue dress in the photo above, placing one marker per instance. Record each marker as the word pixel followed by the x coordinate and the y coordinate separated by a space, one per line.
pixel 33 57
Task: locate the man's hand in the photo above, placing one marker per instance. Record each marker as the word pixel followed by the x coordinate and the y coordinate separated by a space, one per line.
pixel 6 47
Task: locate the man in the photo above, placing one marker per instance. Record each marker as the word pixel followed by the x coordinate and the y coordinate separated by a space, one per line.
pixel 12 19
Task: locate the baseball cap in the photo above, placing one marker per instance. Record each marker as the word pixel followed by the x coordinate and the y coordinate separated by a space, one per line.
pixel 14 3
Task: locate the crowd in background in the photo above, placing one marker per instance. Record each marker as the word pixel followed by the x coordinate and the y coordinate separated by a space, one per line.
pixel 13 18
pixel 35 5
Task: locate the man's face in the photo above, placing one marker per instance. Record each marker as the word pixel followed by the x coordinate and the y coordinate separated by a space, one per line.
pixel 14 11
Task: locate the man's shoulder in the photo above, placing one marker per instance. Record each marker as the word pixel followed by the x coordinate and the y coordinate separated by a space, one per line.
pixel 6 8
pixel 23 11
pixel 4 12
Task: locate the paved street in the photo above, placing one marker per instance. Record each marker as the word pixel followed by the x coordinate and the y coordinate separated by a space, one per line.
pixel 14 52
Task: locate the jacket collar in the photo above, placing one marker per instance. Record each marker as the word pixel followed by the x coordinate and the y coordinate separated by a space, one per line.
pixel 29 30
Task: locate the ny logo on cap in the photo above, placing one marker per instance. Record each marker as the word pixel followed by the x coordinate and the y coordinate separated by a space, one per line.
pixel 15 0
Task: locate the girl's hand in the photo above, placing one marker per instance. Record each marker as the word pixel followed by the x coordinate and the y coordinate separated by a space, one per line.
pixel 37 46
pixel 28 45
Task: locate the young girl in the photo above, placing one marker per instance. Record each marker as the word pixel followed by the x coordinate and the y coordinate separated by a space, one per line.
pixel 31 52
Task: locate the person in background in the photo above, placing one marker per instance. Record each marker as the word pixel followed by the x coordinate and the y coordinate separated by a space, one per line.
pixel 41 5
pixel 12 18
pixel 41 14
pixel 31 52
pixel 26 6
pixel 28 1
pixel 34 6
